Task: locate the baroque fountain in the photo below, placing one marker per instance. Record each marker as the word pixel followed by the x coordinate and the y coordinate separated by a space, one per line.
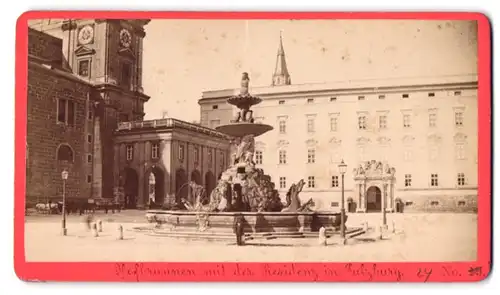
pixel 244 196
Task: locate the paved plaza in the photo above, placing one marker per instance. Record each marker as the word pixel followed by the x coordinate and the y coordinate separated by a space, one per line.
pixel 418 237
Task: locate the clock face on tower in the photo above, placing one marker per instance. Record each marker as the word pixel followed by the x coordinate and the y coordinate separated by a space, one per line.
pixel 125 38
pixel 86 35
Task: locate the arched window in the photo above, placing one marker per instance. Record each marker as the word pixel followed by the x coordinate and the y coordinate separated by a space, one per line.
pixel 65 153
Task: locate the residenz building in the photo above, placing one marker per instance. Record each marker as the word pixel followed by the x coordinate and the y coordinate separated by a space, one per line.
pixel 408 143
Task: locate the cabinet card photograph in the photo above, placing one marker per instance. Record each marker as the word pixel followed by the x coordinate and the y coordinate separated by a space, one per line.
pixel 211 146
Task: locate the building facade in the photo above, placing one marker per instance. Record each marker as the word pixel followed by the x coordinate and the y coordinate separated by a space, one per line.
pixel 155 160
pixel 411 142
pixel 84 83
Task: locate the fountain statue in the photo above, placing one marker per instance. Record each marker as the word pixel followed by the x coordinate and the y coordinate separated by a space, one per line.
pixel 244 192
pixel 243 187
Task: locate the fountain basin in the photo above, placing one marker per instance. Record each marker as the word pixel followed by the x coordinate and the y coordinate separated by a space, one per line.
pixel 253 222
pixel 241 129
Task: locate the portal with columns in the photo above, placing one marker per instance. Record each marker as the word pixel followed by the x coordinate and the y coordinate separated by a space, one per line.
pixel 374 186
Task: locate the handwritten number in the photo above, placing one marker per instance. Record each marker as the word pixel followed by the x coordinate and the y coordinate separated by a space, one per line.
pixel 424 273
pixel 475 271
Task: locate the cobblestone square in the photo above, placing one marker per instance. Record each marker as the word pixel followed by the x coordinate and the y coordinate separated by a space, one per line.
pixel 418 237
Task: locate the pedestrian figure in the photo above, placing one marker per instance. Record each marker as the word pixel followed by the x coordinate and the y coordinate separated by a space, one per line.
pixel 365 226
pixel 94 230
pixel 238 229
pixel 87 220
pixel 322 236
pixel 120 232
pixel 99 225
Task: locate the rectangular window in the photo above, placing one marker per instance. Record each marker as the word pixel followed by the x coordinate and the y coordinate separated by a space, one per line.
pixel 311 156
pixel 89 178
pixel 129 152
pixel 432 120
pixel 215 107
pixel 362 122
pixel 407 155
pixel 333 99
pixel 222 160
pixel 84 68
pixel 281 102
pixel 90 114
pixel 459 119
pixel 196 153
pixel 433 152
pixel 405 95
pixel 89 158
pixel 461 179
pixel 181 153
pixel 123 117
pixel 310 182
pixel 126 74
pixel 431 94
pixel 335 181
pixel 214 123
pixel 66 112
pixel 460 151
pixel 406 121
pixel 361 97
pixel 310 125
pixel 407 180
pixel 310 100
pixel 282 157
pixel 333 124
pixel 89 138
pixel 155 151
pixel 210 157
pixel 434 180
pixel 258 157
pixel 382 122
pixel 282 125
pixel 457 93
pixel 381 96
pixel 282 182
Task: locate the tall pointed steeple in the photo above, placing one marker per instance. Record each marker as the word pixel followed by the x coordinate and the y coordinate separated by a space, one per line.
pixel 281 75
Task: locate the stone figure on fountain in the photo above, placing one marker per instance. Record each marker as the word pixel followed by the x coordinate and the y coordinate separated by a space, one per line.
pixel 245 150
pixel 293 203
pixel 244 114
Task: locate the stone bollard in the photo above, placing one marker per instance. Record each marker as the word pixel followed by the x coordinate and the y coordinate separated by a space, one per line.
pixel 95 233
pixel 322 236
pixel 380 233
pixel 120 232
pixel 365 226
pixel 393 228
pixel 99 225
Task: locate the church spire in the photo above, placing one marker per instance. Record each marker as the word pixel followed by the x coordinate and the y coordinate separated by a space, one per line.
pixel 281 75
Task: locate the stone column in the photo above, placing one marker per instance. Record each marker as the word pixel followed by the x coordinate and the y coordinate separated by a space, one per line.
pixel 188 171
pixel 363 195
pixel 384 192
pixel 140 201
pixel 390 198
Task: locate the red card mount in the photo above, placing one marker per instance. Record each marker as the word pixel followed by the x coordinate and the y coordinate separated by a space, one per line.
pixel 279 272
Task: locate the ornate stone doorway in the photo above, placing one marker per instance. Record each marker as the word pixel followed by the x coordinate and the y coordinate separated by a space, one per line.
pixel 373 199
pixel 374 186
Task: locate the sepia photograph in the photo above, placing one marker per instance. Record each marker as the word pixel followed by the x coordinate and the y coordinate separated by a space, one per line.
pixel 251 140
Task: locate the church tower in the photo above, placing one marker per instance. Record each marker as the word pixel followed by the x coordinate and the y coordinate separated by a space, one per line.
pixel 107 53
pixel 281 75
